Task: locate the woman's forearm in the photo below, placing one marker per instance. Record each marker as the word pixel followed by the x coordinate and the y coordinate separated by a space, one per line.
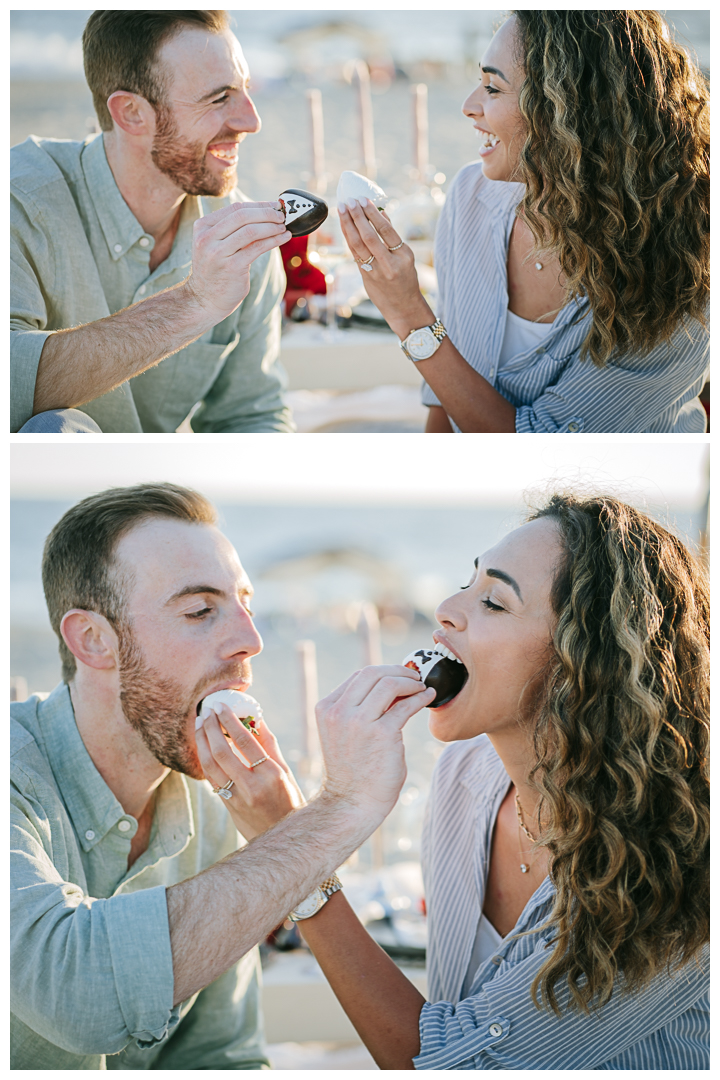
pixel 466 396
pixel 437 421
pixel 383 1006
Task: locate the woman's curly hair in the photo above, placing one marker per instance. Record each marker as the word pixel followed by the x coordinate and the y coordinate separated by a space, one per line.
pixel 621 739
pixel 616 167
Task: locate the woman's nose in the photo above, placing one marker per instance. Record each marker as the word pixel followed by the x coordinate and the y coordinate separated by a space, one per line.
pixel 450 613
pixel 472 105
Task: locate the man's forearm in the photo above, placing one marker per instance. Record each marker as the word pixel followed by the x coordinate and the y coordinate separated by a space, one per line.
pixel 218 916
pixel 81 364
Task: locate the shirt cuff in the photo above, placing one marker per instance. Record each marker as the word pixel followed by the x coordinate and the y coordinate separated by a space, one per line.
pixel 527 420
pixel 453 1037
pixel 25 349
pixel 428 397
pixel 142 963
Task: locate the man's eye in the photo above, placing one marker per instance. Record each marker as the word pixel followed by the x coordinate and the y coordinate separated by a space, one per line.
pixel 219 101
pixel 198 614
pixel 492 607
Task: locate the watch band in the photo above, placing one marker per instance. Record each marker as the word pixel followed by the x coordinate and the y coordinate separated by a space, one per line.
pixel 439 333
pixel 317 899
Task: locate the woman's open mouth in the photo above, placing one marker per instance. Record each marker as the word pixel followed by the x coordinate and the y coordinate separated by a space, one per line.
pixel 488 142
pixel 440 670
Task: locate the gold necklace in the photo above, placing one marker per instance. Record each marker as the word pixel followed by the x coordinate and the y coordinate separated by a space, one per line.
pixel 524 867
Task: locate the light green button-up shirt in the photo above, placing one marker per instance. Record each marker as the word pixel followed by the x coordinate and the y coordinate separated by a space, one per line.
pixel 92 977
pixel 78 254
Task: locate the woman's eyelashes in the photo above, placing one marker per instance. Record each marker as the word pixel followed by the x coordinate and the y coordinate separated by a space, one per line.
pixel 492 607
pixel 486 601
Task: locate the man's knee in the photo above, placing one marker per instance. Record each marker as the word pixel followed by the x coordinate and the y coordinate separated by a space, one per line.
pixel 63 421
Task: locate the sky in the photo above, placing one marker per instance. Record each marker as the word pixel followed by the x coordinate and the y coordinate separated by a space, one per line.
pixel 392 469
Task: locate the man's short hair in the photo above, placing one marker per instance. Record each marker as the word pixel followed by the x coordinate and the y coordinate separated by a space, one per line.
pixel 120 52
pixel 79 569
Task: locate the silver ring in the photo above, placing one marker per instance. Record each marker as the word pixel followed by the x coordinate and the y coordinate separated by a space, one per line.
pixel 397 246
pixel 224 792
pixel 259 761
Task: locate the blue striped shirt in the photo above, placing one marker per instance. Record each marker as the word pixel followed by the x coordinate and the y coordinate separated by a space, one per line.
pixel 497 1026
pixel 552 390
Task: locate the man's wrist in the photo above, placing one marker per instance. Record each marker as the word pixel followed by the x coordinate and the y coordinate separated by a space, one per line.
pixel 200 313
pixel 348 813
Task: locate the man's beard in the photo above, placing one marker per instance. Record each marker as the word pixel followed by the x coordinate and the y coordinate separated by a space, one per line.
pixel 184 162
pixel 158 708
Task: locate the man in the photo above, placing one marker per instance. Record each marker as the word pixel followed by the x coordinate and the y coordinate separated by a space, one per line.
pixel 134 911
pixel 134 247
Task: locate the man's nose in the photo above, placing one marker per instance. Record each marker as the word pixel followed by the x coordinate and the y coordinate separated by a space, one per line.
pixel 245 116
pixel 243 638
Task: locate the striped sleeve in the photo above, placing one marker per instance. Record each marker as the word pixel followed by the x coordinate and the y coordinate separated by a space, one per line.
pixel 500 1027
pixel 650 394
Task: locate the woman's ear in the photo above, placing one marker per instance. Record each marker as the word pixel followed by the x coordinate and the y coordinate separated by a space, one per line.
pixel 90 638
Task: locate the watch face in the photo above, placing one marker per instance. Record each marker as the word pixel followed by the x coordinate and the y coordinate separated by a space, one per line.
pixel 310 905
pixel 422 343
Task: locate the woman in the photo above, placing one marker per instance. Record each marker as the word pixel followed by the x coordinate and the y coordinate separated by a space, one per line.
pixel 574 292
pixel 566 846
pixel 566 841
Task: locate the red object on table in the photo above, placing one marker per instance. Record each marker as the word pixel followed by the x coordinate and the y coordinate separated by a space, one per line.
pixel 303 279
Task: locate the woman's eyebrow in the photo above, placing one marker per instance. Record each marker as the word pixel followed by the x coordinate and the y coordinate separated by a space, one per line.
pixel 495 71
pixel 502 576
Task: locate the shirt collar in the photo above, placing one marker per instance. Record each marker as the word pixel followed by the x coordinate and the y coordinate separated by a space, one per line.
pixel 120 226
pixel 92 807
pixel 499 194
pixel 503 197
pixel 488 782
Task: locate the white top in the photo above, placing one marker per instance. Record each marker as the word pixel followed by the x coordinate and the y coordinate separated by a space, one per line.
pixel 521 335
pixel 486 942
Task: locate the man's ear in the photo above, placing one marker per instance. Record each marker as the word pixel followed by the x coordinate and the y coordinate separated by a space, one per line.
pixel 132 113
pixel 90 638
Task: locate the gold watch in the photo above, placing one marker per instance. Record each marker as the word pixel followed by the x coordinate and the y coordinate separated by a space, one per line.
pixel 317 899
pixel 421 344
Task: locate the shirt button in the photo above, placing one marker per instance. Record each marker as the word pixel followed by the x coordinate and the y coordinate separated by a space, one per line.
pixel 142 289
pixel 539 352
pixel 492 372
pixel 144 241
pixel 572 426
pixel 123 826
pixel 118 247
pixel 496 1030
pixel 89 835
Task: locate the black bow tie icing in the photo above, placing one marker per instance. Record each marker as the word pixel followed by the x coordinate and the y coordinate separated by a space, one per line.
pixel 441 671
pixel 304 212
